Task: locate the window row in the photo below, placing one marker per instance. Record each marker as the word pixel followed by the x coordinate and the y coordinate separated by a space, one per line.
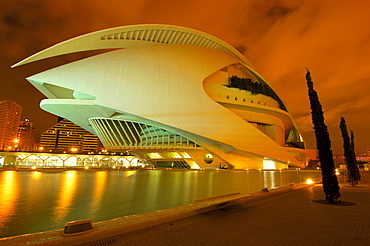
pixel 245 100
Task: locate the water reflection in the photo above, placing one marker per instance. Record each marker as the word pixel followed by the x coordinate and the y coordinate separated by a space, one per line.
pixel 8 188
pixel 33 202
pixel 269 179
pixel 129 173
pixel 152 189
pixel 273 179
pixel 98 190
pixel 67 190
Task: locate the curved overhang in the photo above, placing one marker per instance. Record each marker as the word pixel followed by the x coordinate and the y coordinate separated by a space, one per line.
pixel 242 110
pixel 136 35
pixel 139 35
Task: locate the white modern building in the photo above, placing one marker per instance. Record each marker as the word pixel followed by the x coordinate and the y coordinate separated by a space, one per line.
pixel 174 96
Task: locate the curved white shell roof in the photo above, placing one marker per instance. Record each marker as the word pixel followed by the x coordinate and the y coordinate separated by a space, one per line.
pixel 136 35
pixel 155 83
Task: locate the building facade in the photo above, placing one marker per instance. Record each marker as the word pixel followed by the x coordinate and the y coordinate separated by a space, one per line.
pixel 68 137
pixel 173 96
pixel 26 136
pixel 10 114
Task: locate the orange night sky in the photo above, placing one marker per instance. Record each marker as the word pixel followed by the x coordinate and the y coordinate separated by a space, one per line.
pixel 280 38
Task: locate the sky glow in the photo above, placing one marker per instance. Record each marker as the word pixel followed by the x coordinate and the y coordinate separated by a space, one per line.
pixel 280 38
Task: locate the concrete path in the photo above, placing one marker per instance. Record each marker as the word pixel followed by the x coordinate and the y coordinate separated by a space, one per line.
pixel 296 217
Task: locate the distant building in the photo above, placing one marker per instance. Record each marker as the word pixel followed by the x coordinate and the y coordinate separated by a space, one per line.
pixel 26 136
pixel 66 136
pixel 312 158
pixel 312 154
pixel 10 114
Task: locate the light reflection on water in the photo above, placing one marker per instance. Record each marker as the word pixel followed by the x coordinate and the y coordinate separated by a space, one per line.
pixel 100 182
pixel 8 197
pixel 34 201
pixel 66 193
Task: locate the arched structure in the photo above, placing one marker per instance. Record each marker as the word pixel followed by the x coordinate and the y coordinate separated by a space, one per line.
pixel 26 160
pixel 174 96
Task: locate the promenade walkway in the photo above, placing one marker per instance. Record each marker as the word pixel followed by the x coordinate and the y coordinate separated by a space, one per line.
pixel 297 217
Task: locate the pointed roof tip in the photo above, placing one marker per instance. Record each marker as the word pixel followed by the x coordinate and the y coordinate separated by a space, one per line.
pixel 24 61
pixel 15 65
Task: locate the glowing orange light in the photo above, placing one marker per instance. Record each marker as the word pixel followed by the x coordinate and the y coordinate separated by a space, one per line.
pixel 309 181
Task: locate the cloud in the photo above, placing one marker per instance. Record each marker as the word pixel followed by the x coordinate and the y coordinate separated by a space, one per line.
pixel 279 37
pixel 333 41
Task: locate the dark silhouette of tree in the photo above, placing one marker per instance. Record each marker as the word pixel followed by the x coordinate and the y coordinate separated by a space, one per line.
pixel 354 154
pixel 323 145
pixel 349 154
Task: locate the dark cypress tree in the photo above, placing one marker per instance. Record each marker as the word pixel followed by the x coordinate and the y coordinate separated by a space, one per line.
pixel 354 154
pixel 349 154
pixel 352 142
pixel 323 145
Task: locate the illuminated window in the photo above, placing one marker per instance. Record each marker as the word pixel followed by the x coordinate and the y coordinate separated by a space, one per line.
pixel 154 155
pixel 185 155
pixel 175 155
pixel 267 164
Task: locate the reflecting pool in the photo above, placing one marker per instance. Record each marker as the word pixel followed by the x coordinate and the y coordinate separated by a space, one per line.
pixel 33 201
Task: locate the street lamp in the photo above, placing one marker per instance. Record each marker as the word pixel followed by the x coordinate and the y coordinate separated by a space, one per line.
pixel 16 143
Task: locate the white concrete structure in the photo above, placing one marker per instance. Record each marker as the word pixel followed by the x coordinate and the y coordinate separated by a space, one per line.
pixel 164 94
pixel 27 160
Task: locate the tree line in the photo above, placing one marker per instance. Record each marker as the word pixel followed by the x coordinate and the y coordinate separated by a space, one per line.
pixel 323 145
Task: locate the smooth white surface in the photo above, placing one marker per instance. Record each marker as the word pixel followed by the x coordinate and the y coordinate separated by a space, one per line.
pixel 162 84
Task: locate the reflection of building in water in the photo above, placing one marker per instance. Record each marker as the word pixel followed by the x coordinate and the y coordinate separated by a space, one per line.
pixel 26 136
pixel 174 96
pixel 10 115
pixel 66 136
